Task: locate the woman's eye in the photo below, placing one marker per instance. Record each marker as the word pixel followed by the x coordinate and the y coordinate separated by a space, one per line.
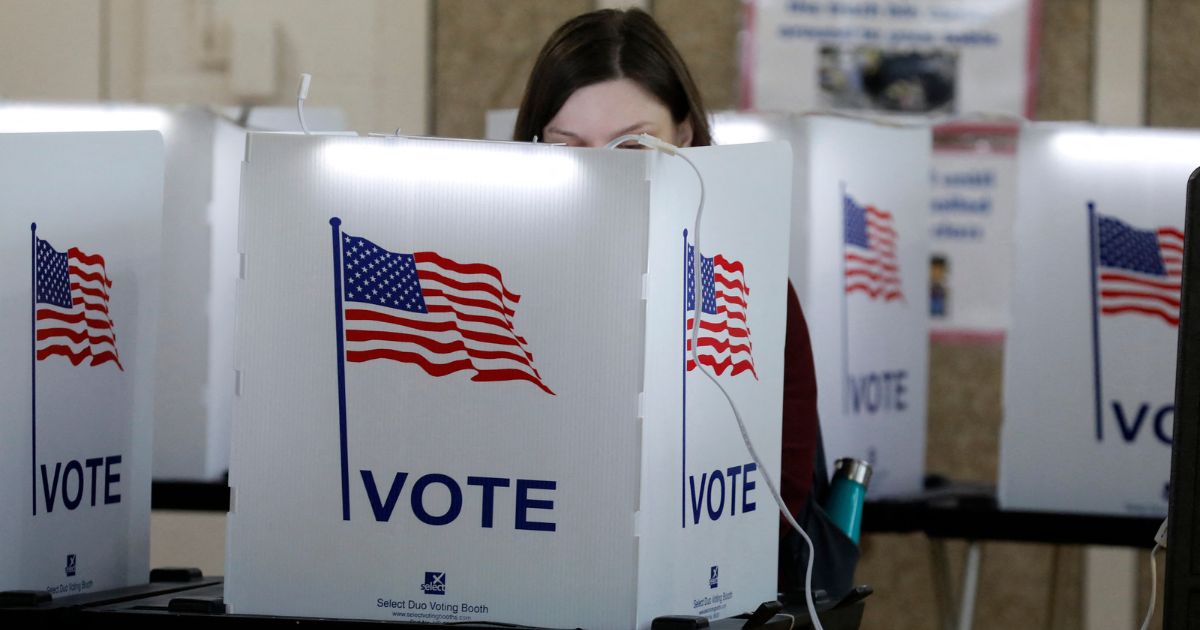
pixel 630 145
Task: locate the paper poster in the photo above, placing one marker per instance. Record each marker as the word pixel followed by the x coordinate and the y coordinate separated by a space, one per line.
pixel 972 203
pixel 902 57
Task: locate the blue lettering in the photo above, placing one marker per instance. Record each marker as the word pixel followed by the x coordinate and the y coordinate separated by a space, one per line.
pixel 712 482
pixel 489 485
pixel 383 511
pixel 111 478
pixel 710 495
pixel 696 499
pixel 93 464
pixel 418 499
pixel 1164 434
pixel 878 391
pixel 733 472
pixel 50 488
pixel 67 501
pixel 747 486
pixel 524 504
pixel 1129 433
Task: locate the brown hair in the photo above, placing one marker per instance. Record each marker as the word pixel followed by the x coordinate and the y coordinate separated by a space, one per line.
pixel 605 45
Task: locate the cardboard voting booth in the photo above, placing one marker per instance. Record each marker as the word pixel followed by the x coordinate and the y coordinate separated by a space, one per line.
pixel 1090 360
pixel 859 264
pixel 463 388
pixel 203 157
pixel 78 308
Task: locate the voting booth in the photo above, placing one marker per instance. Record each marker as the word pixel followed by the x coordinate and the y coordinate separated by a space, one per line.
pixel 464 385
pixel 859 264
pixel 82 220
pixel 203 157
pixel 1090 360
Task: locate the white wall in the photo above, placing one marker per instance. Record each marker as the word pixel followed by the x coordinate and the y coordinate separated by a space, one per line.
pixel 369 57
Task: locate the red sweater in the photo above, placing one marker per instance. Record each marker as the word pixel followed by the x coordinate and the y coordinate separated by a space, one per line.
pixel 799 440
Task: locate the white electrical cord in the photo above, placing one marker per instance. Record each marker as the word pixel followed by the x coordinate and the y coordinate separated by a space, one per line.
pixel 1153 588
pixel 1160 542
pixel 301 95
pixel 670 149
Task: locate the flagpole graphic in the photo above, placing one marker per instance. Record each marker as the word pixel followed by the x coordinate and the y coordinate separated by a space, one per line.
pixel 1095 257
pixel 683 370
pixel 335 225
pixel 33 359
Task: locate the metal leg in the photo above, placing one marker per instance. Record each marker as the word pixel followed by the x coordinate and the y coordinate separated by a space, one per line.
pixel 943 586
pixel 966 611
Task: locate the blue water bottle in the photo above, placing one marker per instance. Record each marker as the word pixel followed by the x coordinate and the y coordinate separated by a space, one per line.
pixel 846 494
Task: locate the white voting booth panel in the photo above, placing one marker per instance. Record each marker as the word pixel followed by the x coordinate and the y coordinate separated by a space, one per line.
pixel 1090 360
pixel 204 150
pixel 463 388
pixel 82 219
pixel 859 264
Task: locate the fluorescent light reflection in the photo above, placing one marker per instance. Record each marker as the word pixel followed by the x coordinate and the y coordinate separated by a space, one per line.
pixel 739 131
pixel 30 118
pixel 1129 146
pixel 466 163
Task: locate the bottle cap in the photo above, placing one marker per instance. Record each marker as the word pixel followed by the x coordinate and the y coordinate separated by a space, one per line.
pixel 855 470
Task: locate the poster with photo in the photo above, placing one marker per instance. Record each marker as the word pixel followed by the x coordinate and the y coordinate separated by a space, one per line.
pixel 896 57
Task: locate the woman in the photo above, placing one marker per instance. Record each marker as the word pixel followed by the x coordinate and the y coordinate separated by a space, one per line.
pixel 610 73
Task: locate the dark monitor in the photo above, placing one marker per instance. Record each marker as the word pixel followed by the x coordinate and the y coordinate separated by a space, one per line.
pixel 1181 604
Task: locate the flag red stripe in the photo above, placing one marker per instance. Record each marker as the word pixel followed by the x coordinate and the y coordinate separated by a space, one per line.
pixel 475 319
pixel 70 318
pixel 467 268
pixel 1141 295
pixel 442 369
pixel 462 301
pixel 91 306
pixel 728 284
pixel 874 262
pixel 721 310
pixel 1171 247
pixel 96 293
pixel 425 275
pixel 1170 231
pixel 732 298
pixel 717 327
pixel 719 345
pixel 874 292
pixel 882 233
pixel 726 363
pixel 76 336
pixel 1120 277
pixel 431 368
pixel 78 357
pixel 355 314
pixel 488 376
pixel 433 345
pixel 883 214
pixel 731 265
pixel 87 259
pixel 878 277
pixel 89 276
pixel 1155 312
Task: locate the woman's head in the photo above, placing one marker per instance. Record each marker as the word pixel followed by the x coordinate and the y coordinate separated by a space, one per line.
pixel 608 73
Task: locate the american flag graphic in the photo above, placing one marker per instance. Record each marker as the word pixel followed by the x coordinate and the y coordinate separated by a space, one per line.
pixel 870 247
pixel 723 343
pixel 1140 271
pixel 72 320
pixel 428 310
